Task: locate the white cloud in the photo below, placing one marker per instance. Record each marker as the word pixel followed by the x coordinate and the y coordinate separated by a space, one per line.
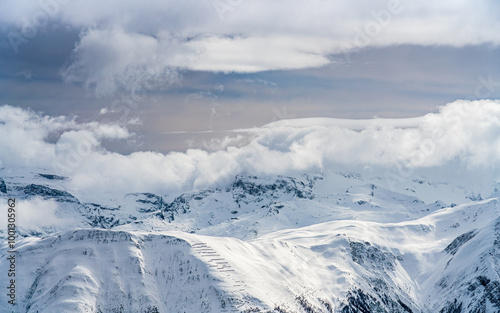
pixel 463 133
pixel 112 60
pixel 255 54
pixel 125 44
pixel 25 137
pixel 37 213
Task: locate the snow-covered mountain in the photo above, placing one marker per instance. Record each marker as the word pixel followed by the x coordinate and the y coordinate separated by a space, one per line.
pixel 337 241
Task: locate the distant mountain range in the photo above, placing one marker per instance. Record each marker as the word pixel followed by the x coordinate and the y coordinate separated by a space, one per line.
pixel 334 242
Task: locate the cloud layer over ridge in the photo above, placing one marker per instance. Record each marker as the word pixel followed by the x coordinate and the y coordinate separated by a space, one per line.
pixel 464 132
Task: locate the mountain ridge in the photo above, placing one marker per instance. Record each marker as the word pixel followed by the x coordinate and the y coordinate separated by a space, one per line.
pixel 340 242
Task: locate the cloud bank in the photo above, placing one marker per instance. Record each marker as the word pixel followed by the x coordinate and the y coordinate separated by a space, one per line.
pixel 465 133
pixel 124 44
pixel 38 214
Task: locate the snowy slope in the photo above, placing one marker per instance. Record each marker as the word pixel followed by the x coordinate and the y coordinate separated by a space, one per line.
pixel 426 265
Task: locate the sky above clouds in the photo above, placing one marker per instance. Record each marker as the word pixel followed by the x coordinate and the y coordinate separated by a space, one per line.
pixel 181 74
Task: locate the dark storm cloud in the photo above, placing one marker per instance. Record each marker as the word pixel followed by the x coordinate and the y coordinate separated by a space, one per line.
pixel 44 54
pixel 121 40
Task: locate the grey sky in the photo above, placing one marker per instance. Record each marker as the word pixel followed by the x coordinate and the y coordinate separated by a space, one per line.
pixel 190 67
